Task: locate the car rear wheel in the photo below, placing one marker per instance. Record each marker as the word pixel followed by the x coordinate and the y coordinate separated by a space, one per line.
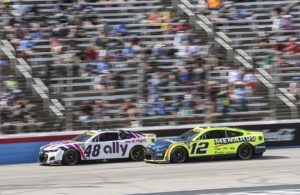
pixel 245 152
pixel 178 155
pixel 137 153
pixel 70 157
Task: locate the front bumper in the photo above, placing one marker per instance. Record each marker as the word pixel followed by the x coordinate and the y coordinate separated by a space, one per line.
pixel 155 157
pixel 49 158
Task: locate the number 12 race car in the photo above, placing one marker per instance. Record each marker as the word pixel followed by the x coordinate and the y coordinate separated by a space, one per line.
pixel 97 145
pixel 200 142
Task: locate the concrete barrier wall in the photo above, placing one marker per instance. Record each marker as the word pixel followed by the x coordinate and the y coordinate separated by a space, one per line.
pixel 20 152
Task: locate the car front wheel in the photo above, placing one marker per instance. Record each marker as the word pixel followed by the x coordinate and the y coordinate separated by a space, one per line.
pixel 178 155
pixel 70 157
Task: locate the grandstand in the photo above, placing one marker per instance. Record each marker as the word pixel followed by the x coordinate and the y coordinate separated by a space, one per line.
pixel 108 64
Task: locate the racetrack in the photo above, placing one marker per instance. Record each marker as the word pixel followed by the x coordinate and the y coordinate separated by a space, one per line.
pixel 278 172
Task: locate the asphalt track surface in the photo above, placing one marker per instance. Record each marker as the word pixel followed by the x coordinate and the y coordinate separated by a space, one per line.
pixel 278 172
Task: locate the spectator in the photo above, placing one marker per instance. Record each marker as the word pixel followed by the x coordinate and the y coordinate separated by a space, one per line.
pixel 276 18
pixel 102 80
pixel 294 88
pixel 239 96
pixel 99 110
pixel 160 107
pixel 250 80
pixel 11 84
pixel 102 66
pixel 214 4
pixel 86 111
pixel 121 30
pixel 184 76
pixel 287 22
pixel 129 109
pixel 235 75
pixel 91 53
pixel 292 46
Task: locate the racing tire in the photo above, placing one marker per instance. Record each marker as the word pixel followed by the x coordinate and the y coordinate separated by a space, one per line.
pixel 70 157
pixel 137 153
pixel 178 155
pixel 245 152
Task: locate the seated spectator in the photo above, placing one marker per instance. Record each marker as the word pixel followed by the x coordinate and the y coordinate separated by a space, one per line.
pixel 292 46
pixel 19 9
pixel 188 106
pixel 287 22
pixel 102 80
pixel 276 18
pixel 294 88
pixel 99 109
pixel 55 45
pixel 129 109
pixel 102 66
pixel 214 4
pixel 267 62
pixel 184 76
pixel 11 84
pixel 159 107
pixel 153 17
pixel 239 96
pixel 235 75
pixel 86 111
pixel 222 101
pixel 25 47
pixel 250 80
pixel 91 53
pixel 121 30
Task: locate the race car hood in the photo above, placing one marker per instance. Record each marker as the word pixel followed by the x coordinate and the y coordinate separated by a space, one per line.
pixel 57 144
pixel 162 143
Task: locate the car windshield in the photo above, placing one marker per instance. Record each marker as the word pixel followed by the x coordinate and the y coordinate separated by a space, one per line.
pixel 188 135
pixel 83 137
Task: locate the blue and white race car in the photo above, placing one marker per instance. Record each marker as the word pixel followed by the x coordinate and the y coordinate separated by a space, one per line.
pixel 97 145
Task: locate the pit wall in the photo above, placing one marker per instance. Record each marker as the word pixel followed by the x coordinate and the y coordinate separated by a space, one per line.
pixel 24 148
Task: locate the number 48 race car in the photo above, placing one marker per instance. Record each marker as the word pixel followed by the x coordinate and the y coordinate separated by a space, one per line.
pixel 97 145
pixel 200 142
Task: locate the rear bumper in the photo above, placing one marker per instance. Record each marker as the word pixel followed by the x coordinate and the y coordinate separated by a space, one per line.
pixel 260 148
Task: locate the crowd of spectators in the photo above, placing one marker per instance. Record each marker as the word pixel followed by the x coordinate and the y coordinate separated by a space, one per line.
pixel 71 20
pixel 16 109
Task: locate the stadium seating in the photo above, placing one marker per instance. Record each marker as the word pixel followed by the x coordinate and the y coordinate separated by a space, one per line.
pixel 136 89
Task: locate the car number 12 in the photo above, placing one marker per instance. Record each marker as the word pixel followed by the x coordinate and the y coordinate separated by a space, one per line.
pixel 199 148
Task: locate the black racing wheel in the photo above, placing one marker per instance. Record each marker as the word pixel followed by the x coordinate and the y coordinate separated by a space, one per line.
pixel 245 152
pixel 137 153
pixel 178 155
pixel 70 157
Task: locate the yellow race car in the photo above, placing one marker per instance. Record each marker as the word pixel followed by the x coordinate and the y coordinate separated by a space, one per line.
pixel 203 142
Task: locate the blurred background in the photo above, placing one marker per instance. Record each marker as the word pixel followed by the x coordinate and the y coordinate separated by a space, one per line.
pixel 88 64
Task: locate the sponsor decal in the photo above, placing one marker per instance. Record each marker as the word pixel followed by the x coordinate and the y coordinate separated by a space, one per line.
pixel 286 134
pixel 114 148
pixel 89 133
pixel 260 147
pixel 234 140
pixel 136 141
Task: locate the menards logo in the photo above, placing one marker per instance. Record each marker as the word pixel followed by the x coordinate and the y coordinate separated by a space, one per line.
pixel 234 140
